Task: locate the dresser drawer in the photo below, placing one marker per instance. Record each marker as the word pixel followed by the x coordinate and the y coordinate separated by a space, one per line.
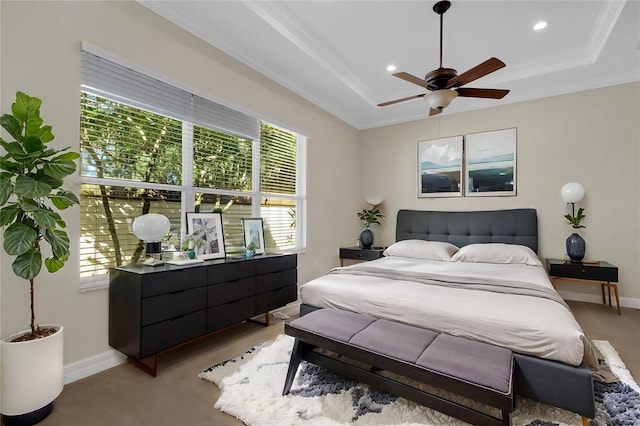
pixel 171 305
pixel 275 264
pixel 165 334
pixel 218 294
pixel 230 313
pixel 276 298
pixel 276 280
pixel 230 271
pixel 173 280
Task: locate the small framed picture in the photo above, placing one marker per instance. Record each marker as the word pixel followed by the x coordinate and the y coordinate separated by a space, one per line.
pixel 254 233
pixel 207 228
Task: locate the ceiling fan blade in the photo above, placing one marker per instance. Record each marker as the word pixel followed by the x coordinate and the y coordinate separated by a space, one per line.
pixel 469 92
pixel 411 78
pixel 434 111
pixel 487 67
pixel 408 98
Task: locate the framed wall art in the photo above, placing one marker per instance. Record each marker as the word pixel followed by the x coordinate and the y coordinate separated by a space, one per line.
pixel 254 233
pixel 490 163
pixel 440 167
pixel 208 228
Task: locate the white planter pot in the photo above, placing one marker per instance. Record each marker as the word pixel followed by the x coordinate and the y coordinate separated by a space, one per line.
pixel 31 372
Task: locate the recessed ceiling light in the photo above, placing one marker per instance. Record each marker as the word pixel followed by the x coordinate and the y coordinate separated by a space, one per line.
pixel 540 25
pixel 391 68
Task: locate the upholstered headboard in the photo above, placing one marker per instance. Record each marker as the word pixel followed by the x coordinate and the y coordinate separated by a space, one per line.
pixel 517 226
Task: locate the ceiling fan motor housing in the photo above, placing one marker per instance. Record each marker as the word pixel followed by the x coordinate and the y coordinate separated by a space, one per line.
pixel 440 77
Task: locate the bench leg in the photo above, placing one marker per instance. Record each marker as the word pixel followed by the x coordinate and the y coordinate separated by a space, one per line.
pixel 296 356
pixel 506 418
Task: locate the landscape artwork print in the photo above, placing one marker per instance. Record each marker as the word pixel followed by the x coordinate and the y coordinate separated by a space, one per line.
pixel 490 166
pixel 440 167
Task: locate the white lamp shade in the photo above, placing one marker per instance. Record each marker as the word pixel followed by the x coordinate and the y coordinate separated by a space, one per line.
pixel 440 98
pixel 374 200
pixel 151 227
pixel 572 192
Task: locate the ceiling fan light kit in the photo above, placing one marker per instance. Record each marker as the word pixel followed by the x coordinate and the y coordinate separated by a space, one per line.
pixel 440 98
pixel 445 84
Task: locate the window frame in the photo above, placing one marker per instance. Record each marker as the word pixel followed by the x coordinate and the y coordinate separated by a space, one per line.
pixel 186 188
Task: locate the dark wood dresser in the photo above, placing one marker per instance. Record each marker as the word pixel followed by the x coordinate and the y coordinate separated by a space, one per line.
pixel 152 309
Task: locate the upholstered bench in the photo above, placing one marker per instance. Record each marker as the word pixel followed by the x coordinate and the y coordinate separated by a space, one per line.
pixel 475 370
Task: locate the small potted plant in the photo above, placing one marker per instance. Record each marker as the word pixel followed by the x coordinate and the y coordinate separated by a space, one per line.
pixel 368 218
pixel 30 196
pixel 250 249
pixel 190 244
pixel 575 244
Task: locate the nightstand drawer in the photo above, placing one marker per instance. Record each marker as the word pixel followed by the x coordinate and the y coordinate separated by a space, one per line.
pixel 597 272
pixel 361 253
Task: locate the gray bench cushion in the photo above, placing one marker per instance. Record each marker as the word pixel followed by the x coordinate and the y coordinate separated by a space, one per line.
pixel 480 363
pixel 395 340
pixel 334 324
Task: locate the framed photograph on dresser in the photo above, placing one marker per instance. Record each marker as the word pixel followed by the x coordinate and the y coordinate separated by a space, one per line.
pixel 254 233
pixel 208 228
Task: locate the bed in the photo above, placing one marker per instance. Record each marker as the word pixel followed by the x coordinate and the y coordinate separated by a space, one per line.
pixel 476 275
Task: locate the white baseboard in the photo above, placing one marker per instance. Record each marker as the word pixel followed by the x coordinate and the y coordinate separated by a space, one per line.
pixel 627 302
pixel 92 365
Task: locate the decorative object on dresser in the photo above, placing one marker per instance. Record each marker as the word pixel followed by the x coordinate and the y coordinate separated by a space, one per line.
pixel 208 228
pixel 253 230
pixel 152 228
pixel 152 310
pixel 600 272
pixel 31 194
pixel 572 193
pixel 369 217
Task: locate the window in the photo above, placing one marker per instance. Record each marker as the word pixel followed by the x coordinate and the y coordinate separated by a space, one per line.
pixel 149 147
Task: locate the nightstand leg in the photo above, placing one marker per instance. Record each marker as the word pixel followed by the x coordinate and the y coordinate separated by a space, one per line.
pixel 603 298
pixel 609 292
pixel 615 289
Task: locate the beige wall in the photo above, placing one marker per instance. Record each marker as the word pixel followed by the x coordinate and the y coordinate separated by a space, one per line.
pixel 590 137
pixel 40 54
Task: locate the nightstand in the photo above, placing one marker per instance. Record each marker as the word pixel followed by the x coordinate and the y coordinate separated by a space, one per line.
pixel 602 273
pixel 359 253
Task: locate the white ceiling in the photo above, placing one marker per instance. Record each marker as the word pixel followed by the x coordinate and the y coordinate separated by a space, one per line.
pixel 335 53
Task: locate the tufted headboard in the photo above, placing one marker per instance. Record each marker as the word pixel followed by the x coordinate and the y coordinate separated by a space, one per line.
pixel 517 226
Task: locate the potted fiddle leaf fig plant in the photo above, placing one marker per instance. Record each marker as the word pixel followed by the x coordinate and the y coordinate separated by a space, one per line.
pixel 31 195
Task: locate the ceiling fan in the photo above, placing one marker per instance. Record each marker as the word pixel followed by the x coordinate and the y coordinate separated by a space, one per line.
pixel 445 83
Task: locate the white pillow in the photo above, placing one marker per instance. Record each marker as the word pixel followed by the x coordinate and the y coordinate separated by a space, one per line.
pixel 421 249
pixel 497 253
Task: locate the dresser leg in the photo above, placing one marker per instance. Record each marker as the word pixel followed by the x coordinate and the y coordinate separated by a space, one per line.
pixel 149 369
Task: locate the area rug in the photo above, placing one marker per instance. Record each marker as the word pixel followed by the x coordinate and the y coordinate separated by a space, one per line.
pixel 251 390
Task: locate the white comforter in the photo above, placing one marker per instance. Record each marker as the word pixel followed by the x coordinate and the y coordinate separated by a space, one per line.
pixel 529 325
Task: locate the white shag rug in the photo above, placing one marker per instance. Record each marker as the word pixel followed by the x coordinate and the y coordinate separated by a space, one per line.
pixel 251 390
